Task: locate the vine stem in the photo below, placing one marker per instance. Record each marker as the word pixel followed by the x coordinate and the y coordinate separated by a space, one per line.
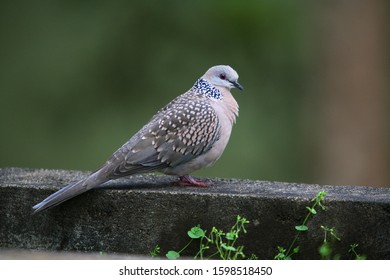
pixel 318 199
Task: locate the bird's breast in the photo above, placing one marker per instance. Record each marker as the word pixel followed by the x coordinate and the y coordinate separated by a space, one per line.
pixel 226 111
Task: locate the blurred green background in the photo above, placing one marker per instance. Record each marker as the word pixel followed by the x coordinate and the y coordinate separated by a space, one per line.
pixel 79 78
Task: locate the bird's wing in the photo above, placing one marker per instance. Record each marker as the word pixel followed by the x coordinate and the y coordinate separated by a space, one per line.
pixel 178 133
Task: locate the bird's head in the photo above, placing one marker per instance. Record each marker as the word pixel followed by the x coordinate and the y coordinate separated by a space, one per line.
pixel 222 76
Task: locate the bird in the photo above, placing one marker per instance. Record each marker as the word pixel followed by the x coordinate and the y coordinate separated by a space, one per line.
pixel 189 133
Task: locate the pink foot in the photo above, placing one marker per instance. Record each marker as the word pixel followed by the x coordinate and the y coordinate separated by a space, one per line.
pixel 187 180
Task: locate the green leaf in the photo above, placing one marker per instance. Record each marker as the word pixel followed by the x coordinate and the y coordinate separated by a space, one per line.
pixel 281 249
pixel 325 250
pixel 301 228
pixel 311 210
pixel 228 248
pixel 172 255
pixel 230 236
pixel 196 232
pixel 296 250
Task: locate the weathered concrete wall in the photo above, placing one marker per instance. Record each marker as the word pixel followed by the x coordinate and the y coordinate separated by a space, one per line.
pixel 134 214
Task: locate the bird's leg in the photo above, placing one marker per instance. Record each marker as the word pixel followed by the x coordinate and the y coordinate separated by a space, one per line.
pixel 187 180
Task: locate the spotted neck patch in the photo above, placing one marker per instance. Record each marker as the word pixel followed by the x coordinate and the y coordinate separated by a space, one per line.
pixel 205 88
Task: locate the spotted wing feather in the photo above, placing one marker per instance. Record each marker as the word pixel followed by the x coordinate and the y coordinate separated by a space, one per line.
pixel 178 133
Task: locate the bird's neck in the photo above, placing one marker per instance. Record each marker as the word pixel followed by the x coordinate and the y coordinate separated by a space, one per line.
pixel 205 88
pixel 220 96
pixel 229 104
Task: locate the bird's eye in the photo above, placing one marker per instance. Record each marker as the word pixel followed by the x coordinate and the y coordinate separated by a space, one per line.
pixel 222 76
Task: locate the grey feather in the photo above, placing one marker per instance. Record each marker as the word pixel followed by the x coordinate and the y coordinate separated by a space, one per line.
pixel 70 191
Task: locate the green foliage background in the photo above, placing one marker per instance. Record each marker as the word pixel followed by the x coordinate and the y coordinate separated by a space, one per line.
pixel 79 78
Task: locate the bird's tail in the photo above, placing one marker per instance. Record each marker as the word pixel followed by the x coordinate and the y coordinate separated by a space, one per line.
pixel 70 191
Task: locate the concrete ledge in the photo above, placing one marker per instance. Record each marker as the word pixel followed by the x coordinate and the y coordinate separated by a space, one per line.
pixel 132 215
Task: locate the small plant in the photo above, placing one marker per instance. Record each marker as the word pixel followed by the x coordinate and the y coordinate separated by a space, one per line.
pixel 330 236
pixel 155 252
pixel 286 254
pixel 253 257
pixel 217 243
pixel 353 250
pixel 326 249
pixel 193 233
pixel 330 231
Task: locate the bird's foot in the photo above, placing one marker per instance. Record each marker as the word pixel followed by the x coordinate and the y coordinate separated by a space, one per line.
pixel 187 180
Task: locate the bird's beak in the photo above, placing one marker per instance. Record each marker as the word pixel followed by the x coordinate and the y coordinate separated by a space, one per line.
pixel 237 85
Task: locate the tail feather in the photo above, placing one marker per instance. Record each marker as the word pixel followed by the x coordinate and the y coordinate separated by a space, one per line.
pixel 69 192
